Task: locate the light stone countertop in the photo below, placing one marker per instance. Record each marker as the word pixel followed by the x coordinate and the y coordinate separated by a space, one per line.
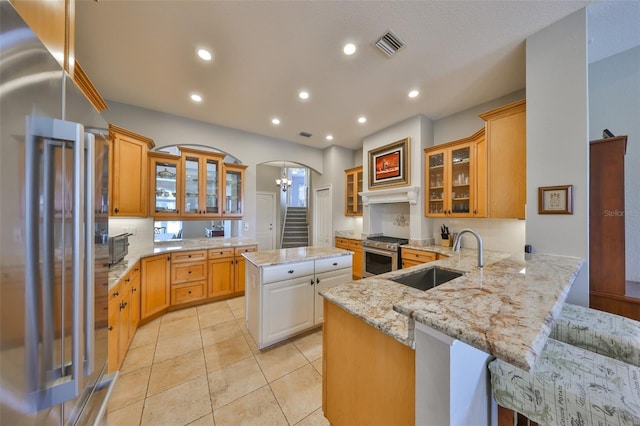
pixel 350 235
pixel 506 308
pixel 137 252
pixel 292 255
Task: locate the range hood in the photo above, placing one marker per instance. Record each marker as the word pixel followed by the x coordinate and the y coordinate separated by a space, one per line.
pixel 405 194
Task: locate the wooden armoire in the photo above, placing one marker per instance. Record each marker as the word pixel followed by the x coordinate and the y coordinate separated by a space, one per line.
pixel 607 279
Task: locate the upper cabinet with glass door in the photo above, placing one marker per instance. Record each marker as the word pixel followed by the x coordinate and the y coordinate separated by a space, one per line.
pixel 201 173
pixel 451 187
pixel 353 187
pixel 233 189
pixel 165 188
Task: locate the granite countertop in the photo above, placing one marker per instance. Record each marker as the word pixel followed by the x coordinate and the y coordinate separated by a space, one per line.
pixel 505 309
pixel 350 235
pixel 137 252
pixel 292 255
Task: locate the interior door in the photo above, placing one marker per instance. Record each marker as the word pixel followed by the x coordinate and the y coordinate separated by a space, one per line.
pixel 322 218
pixel 266 220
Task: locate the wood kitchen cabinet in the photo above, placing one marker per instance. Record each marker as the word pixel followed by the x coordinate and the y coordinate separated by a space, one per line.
pixel 188 277
pixel 412 257
pixel 351 394
pixel 233 189
pixel 53 21
pixel 164 172
pixel 226 268
pixel 123 317
pixel 356 247
pixel 200 183
pixel 155 297
pixel 353 186
pixel 505 153
pixel 451 180
pixel 128 190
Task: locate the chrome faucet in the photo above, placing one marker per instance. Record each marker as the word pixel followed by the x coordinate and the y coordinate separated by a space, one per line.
pixel 456 244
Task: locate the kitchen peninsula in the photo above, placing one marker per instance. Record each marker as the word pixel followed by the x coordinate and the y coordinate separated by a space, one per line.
pixel 443 337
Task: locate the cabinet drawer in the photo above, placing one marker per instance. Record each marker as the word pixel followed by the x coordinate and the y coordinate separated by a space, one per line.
pixel 221 252
pixel 188 256
pixel 342 243
pixel 272 274
pixel 135 271
pixel 246 249
pixel 333 263
pixel 418 255
pixel 185 272
pixel 190 292
pixel 355 245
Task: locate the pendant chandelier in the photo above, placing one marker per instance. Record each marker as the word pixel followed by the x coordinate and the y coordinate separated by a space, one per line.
pixel 284 182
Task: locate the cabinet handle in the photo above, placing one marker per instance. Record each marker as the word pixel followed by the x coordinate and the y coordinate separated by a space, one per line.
pixel 317 280
pixel 116 210
pixel 168 258
pixel 178 211
pixel 311 281
pixel 127 280
pixel 137 269
pixel 290 271
pixel 189 256
pixel 474 211
pixel 116 294
pixel 133 289
pixel 189 291
pixel 189 272
pixel 110 328
pixel 335 263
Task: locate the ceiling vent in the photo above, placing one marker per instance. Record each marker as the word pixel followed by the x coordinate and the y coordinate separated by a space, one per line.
pixel 389 43
pixel 305 134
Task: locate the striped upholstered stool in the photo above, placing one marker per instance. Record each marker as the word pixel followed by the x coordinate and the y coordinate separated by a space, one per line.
pixel 570 385
pixel 601 332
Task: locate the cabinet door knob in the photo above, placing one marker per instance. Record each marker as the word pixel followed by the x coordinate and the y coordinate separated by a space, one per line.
pixel 311 281
pixel 133 289
pixel 116 294
pixel 335 263
pixel 189 291
pixel 110 328
pixel 290 271
pixel 317 280
pixel 189 272
pixel 116 210
pixel 168 258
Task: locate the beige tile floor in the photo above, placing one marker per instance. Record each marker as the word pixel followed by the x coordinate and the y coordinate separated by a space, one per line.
pixel 200 366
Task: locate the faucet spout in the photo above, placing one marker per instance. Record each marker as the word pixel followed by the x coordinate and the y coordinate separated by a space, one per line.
pixel 458 240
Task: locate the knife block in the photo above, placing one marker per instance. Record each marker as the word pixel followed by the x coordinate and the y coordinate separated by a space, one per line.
pixel 446 243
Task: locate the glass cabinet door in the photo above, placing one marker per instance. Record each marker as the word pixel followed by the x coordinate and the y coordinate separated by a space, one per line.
pixel 359 190
pixel 166 186
pixel 460 180
pixel 435 183
pixel 191 185
pixel 351 200
pixel 211 192
pixel 233 189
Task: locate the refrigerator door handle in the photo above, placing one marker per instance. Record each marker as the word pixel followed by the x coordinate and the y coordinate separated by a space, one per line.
pixel 89 290
pixel 48 385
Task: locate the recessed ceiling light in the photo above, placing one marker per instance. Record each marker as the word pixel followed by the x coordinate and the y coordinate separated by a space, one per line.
pixel 303 94
pixel 196 98
pixel 349 49
pixel 413 93
pixel 362 119
pixel 275 121
pixel 205 54
pixel 329 137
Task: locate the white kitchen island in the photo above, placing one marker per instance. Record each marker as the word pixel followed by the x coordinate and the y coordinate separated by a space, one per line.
pixel 282 289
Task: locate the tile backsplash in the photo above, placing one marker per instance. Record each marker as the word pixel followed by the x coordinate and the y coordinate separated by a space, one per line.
pixel 142 228
pixel 505 235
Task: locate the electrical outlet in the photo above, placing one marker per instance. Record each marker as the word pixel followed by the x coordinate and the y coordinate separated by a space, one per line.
pixel 246 226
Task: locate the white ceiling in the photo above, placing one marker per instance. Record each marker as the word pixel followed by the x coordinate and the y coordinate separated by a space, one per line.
pixel 458 54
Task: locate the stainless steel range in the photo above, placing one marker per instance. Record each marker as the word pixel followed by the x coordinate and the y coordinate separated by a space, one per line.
pixel 381 254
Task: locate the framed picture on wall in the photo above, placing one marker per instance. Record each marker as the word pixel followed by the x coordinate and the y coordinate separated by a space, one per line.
pixel 389 165
pixel 555 199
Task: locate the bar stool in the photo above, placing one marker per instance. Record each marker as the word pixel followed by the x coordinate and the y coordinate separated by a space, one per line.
pixel 569 385
pixel 601 332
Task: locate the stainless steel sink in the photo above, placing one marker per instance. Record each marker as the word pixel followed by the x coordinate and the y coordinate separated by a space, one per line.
pixel 426 279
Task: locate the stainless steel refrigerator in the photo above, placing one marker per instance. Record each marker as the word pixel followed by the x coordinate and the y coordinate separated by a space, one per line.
pixel 53 260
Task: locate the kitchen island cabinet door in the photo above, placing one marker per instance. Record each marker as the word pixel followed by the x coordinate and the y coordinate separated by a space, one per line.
pixel 325 280
pixel 287 308
pixel 155 296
